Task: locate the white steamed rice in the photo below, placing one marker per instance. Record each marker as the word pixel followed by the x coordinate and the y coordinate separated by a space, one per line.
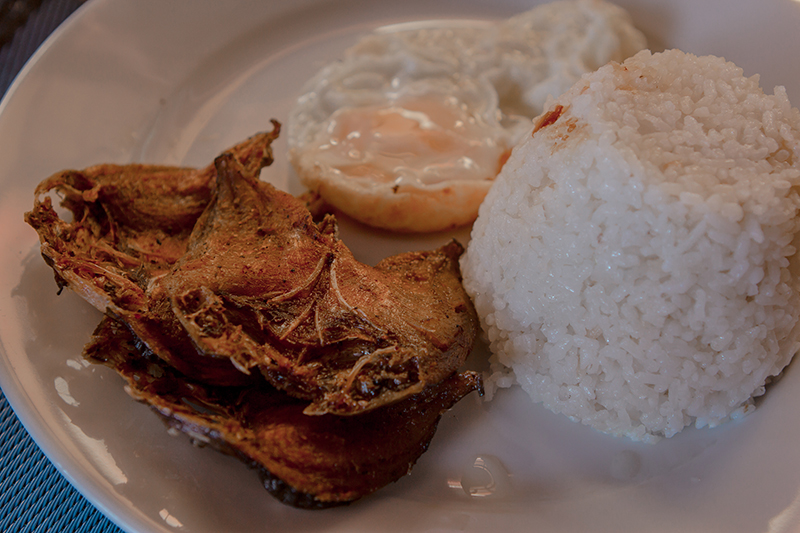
pixel 631 265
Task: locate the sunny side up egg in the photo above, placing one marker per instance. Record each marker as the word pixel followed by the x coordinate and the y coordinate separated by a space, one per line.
pixel 408 131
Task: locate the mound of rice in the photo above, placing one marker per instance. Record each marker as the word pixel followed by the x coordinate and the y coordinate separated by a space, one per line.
pixel 631 265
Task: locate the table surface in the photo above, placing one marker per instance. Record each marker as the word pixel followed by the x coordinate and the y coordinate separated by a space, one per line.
pixel 34 496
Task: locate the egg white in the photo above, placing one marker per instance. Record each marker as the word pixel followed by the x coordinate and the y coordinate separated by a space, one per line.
pixel 408 131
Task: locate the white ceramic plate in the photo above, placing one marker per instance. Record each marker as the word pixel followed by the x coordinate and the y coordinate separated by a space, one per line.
pixel 176 82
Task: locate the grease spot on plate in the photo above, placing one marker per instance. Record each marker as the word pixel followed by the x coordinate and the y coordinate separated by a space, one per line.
pixel 485 477
pixel 169 519
pixel 62 388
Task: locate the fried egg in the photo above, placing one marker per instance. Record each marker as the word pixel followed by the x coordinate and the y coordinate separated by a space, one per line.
pixel 409 129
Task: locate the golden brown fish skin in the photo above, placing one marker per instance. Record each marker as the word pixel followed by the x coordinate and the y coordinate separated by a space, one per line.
pixel 261 283
pixel 130 224
pixel 305 461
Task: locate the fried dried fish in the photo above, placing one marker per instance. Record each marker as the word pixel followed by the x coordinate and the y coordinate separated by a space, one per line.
pixel 256 282
pixel 130 224
pixel 264 285
pixel 304 461
pixel 212 281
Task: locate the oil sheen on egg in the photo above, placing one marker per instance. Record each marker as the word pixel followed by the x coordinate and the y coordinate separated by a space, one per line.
pixel 409 129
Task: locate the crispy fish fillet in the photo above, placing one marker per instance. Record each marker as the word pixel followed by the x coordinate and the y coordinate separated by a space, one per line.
pixel 305 461
pixel 251 279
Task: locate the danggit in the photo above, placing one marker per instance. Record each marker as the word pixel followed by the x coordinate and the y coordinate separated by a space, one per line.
pixel 206 275
pixel 264 285
pixel 305 461
pixel 256 283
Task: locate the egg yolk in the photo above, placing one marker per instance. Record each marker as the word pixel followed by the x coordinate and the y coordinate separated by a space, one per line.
pixel 420 141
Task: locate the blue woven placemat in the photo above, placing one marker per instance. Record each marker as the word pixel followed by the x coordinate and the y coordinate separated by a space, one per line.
pixel 34 496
